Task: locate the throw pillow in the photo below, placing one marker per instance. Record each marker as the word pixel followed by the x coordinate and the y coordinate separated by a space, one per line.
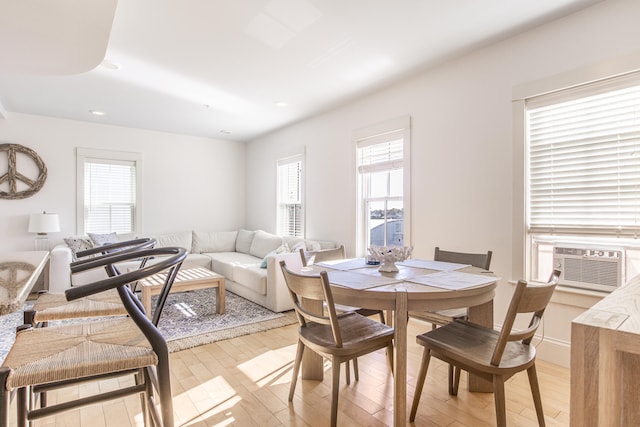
pixel 77 244
pixel 244 240
pixel 102 239
pixel 263 243
pixel 299 246
pixel 282 249
pixel 293 242
pixel 312 245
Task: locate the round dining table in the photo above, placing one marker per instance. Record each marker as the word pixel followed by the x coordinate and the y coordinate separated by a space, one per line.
pixel 403 295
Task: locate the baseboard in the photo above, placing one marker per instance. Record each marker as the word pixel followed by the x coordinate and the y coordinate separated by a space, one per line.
pixel 553 351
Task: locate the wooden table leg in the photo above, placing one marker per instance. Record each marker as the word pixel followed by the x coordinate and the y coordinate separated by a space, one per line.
pixel 481 315
pixel 220 297
pixel 312 363
pixel 146 299
pixel 400 360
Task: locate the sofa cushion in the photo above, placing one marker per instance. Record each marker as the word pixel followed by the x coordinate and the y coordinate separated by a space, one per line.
pixel 251 276
pixel 77 244
pixel 223 262
pixel 196 260
pixel 181 239
pixel 243 241
pixel 263 243
pixel 214 241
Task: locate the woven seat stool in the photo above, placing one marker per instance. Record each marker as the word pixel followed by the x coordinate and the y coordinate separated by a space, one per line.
pixel 52 306
pixel 42 359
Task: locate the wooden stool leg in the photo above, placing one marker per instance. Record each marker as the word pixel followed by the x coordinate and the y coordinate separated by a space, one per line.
pixel 347 373
pixel 535 390
pixel 164 384
pixel 22 407
pixel 335 386
pixel 5 396
pixel 296 369
pixel 426 357
pixel 498 396
pixel 355 369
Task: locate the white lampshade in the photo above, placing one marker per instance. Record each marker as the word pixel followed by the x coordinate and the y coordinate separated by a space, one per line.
pixel 44 223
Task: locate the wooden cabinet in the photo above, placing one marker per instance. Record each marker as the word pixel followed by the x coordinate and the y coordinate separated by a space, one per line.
pixel 605 361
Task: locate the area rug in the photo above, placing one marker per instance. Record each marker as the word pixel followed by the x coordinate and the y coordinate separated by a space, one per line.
pixel 189 320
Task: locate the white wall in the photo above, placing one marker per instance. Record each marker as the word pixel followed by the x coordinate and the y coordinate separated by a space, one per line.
pixel 189 182
pixel 462 167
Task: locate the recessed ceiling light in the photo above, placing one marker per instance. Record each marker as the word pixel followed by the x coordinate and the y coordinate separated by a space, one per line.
pixel 97 113
pixel 226 132
pixel 281 103
pixel 111 65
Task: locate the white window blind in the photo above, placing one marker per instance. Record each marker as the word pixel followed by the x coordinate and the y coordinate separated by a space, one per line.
pixel 108 191
pixel 382 152
pixel 290 206
pixel 584 160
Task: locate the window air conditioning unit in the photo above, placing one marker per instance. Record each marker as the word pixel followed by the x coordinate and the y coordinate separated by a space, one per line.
pixel 589 268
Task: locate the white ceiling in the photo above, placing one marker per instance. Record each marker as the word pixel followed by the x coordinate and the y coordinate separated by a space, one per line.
pixel 209 67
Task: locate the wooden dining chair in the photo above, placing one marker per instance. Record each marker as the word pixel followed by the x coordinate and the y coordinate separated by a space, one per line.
pixel 443 317
pixel 339 337
pixel 322 255
pixel 42 359
pixel 492 355
pixel 332 255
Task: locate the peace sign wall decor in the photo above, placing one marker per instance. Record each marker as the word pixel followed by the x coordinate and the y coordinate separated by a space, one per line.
pixel 19 185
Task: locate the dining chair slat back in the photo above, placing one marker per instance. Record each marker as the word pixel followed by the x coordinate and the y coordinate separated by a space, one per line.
pixel 322 255
pixel 303 290
pixel 477 260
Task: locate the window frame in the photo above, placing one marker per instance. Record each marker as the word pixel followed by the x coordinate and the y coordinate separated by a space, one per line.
pixel 382 133
pixel 521 261
pixel 84 155
pixel 281 227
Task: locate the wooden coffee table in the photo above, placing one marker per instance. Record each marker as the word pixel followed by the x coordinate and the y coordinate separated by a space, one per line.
pixel 187 280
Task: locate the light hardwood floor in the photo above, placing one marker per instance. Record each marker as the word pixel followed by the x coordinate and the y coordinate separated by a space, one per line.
pixel 245 381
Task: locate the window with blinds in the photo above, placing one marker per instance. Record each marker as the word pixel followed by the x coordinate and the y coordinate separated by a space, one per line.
pixel 584 160
pixel 108 191
pixel 381 153
pixel 382 168
pixel 290 203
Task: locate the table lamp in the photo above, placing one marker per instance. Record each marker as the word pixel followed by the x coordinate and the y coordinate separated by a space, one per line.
pixel 42 224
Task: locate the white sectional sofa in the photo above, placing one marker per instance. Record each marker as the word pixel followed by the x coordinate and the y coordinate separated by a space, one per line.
pixel 249 261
